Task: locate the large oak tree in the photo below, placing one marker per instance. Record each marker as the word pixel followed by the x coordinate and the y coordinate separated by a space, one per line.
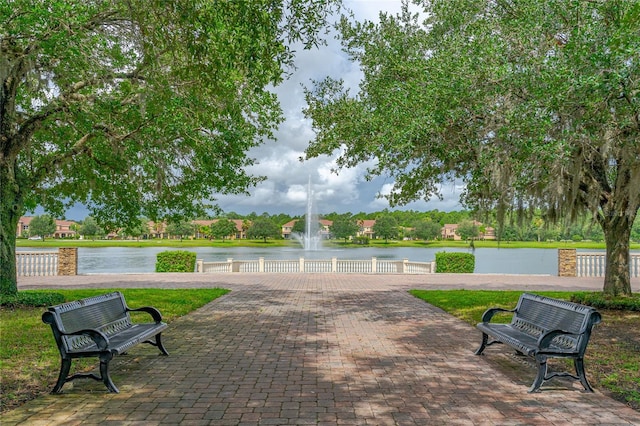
pixel 137 107
pixel 534 104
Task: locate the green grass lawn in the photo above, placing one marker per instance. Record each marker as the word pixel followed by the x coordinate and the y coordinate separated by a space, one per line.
pixel 613 356
pixel 29 357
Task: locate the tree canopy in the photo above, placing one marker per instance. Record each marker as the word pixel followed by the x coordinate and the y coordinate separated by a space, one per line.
pixel 180 228
pixel 386 227
pixel 90 227
pixel 137 107
pixel 42 226
pixel 532 104
pixel 263 227
pixel 427 230
pixel 136 228
pixel 223 228
pixel 344 226
pixel 468 230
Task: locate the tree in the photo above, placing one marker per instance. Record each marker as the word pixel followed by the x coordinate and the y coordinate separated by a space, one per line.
pixel 344 226
pixel 263 227
pixel 427 230
pixel 136 107
pixel 90 227
pixel 300 226
pixel 538 224
pixel 223 228
pixel 42 226
pixel 468 230
pixel 180 228
pixel 75 227
pixel 386 227
pixel 246 224
pixel 136 228
pixel 530 104
pixel 280 218
pixel 203 231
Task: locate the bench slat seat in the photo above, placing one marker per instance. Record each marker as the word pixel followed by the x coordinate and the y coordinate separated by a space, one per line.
pixel 122 341
pixel 101 327
pixel 521 341
pixel 541 328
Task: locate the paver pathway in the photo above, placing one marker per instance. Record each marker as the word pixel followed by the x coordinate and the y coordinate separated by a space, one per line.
pixel 318 349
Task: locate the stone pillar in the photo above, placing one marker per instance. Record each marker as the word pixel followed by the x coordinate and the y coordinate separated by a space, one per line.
pixel 567 263
pixel 68 261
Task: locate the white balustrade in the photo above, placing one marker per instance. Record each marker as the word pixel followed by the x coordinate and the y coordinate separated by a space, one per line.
pixel 36 263
pixel 593 264
pixel 333 265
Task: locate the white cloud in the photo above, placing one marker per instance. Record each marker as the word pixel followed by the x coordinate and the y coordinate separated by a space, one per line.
pixel 297 195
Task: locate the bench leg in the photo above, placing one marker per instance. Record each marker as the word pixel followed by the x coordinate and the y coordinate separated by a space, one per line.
pixel 104 372
pixel 65 367
pixel 579 365
pixel 160 345
pixel 483 345
pixel 542 373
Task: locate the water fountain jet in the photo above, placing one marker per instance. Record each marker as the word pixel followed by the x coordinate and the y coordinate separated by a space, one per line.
pixel 312 238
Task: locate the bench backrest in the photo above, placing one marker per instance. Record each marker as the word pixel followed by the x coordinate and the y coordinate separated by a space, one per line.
pixel 106 313
pixel 538 314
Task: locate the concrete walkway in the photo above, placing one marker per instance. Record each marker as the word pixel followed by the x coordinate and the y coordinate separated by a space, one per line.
pixel 321 349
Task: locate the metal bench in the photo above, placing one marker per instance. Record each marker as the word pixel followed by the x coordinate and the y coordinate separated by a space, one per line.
pixel 542 328
pixel 101 327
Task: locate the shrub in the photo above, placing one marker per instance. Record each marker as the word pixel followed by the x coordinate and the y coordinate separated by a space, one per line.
pixel 22 299
pixel 176 261
pixel 455 262
pixel 362 240
pixel 600 300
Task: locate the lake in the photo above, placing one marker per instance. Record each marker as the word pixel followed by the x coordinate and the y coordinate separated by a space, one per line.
pixel 488 260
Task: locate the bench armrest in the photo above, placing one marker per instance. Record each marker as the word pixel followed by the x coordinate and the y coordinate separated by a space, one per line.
pixel 545 338
pixel 157 316
pixel 100 339
pixel 489 313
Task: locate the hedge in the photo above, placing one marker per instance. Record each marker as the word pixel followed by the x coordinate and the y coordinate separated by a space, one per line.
pixel 176 261
pixel 455 262
pixel 39 298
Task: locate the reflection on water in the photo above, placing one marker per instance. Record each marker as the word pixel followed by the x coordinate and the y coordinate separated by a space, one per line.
pixel 488 260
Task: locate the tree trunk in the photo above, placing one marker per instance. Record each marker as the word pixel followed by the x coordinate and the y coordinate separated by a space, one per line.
pixel 617 233
pixel 11 207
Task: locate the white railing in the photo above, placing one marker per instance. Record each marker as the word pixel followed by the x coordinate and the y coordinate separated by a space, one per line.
pixel 333 265
pixel 36 263
pixel 593 264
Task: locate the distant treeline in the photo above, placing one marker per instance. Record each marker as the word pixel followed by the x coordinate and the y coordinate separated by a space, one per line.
pixel 409 222
pixel 514 228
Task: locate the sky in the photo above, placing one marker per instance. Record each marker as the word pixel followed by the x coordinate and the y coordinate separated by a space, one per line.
pixel 286 184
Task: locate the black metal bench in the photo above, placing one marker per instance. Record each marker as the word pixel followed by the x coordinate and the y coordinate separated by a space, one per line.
pixel 101 327
pixel 542 328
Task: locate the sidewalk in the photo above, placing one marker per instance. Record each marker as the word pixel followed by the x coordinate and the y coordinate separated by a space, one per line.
pixel 321 349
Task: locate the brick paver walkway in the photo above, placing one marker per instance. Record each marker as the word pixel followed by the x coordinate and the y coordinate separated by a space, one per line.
pixel 320 349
